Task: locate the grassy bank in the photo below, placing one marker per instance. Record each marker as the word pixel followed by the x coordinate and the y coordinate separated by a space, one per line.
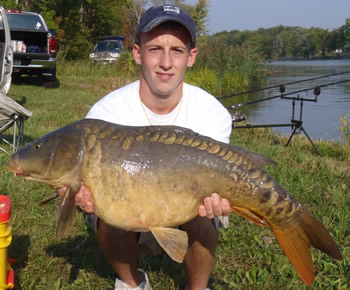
pixel 248 257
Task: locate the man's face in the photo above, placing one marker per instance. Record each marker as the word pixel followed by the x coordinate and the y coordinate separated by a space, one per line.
pixel 164 54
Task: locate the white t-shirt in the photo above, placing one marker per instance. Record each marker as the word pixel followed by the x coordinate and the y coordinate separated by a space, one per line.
pixel 199 111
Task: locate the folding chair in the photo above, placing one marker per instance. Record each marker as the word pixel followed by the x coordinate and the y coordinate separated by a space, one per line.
pixel 12 117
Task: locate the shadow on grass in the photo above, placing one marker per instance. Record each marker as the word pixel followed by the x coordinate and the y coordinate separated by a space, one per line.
pixel 83 253
pixel 19 251
pixel 36 81
pixel 176 271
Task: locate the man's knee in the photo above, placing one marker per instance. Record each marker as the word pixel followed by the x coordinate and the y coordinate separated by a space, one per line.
pixel 107 232
pixel 199 224
pixel 201 229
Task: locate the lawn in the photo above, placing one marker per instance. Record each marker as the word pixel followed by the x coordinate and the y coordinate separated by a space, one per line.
pixel 248 256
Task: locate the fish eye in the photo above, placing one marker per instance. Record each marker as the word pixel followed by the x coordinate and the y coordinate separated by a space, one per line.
pixel 36 146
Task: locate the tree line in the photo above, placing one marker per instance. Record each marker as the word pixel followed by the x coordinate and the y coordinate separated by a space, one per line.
pixel 286 41
pixel 227 61
pixel 79 24
pixel 220 67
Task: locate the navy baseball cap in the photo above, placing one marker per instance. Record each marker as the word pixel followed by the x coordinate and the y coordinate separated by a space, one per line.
pixel 160 14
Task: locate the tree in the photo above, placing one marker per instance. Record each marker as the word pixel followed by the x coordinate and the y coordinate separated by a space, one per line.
pixel 278 46
pixel 200 16
pixel 164 2
pixel 132 10
pixel 320 40
pixel 347 29
pixel 82 23
pixel 332 40
pixel 340 37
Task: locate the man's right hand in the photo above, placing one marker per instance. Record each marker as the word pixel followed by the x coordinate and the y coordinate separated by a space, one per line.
pixel 83 199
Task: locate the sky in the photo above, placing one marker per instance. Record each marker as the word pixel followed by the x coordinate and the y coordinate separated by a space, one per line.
pixel 253 14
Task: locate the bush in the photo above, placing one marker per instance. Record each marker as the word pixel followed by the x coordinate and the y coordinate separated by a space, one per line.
pixel 203 78
pixel 233 82
pixel 345 129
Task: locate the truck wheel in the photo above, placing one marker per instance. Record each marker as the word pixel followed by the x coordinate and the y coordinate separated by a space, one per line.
pixel 51 84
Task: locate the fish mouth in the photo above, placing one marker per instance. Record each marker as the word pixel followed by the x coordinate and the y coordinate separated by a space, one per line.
pixel 14 167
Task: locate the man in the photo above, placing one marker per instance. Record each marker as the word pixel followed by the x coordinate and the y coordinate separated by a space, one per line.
pixel 164 47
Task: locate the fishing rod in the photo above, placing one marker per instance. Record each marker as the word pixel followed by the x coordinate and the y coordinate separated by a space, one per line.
pixel 282 89
pixel 286 84
pixel 295 123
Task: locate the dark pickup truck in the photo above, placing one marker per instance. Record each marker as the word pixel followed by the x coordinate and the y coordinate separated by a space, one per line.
pixel 33 44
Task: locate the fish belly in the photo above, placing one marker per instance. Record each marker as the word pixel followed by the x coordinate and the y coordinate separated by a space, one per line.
pixel 139 202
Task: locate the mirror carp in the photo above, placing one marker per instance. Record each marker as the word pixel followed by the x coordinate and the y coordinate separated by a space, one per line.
pixel 154 178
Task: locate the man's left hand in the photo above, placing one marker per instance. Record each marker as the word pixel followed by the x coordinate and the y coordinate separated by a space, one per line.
pixel 214 205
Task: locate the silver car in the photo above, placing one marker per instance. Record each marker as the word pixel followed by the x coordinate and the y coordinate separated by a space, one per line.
pixel 107 50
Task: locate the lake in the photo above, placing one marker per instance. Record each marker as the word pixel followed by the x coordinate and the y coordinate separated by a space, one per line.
pixel 321 118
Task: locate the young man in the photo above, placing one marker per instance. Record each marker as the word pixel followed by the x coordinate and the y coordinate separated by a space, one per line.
pixel 164 47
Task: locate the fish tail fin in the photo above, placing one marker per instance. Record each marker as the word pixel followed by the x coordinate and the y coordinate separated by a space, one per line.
pixel 66 214
pixel 297 239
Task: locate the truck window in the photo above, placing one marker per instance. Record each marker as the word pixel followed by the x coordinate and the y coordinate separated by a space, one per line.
pixel 25 22
pixel 107 46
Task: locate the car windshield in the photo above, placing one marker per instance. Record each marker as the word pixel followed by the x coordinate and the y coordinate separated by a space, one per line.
pixel 24 21
pixel 108 46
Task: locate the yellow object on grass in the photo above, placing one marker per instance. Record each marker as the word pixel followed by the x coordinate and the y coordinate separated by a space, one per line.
pixel 6 272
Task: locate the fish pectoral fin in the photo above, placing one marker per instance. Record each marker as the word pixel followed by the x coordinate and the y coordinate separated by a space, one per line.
pixel 173 241
pixel 248 214
pixel 67 212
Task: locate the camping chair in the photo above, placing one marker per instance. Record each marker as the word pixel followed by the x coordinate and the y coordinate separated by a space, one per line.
pixel 12 117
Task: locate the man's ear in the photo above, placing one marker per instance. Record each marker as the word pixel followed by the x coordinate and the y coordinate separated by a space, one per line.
pixel 192 57
pixel 136 51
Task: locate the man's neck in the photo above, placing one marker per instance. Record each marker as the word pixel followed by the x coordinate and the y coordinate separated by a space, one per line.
pixel 159 104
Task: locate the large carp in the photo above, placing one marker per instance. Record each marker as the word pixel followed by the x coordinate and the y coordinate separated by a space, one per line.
pixel 155 178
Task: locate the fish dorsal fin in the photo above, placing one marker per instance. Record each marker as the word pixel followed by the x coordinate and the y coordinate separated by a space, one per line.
pixel 260 160
pixel 173 241
pixel 67 211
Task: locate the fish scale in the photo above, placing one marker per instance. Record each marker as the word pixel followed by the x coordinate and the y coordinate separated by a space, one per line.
pixel 154 178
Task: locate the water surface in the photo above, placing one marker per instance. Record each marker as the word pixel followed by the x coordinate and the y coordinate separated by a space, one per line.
pixel 321 118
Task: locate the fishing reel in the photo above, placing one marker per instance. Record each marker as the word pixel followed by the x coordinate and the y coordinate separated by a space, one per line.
pixel 238 117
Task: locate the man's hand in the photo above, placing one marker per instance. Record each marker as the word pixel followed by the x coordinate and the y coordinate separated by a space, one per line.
pixel 83 199
pixel 214 205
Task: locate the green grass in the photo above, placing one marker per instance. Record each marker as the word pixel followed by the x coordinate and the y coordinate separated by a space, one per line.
pixel 248 256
